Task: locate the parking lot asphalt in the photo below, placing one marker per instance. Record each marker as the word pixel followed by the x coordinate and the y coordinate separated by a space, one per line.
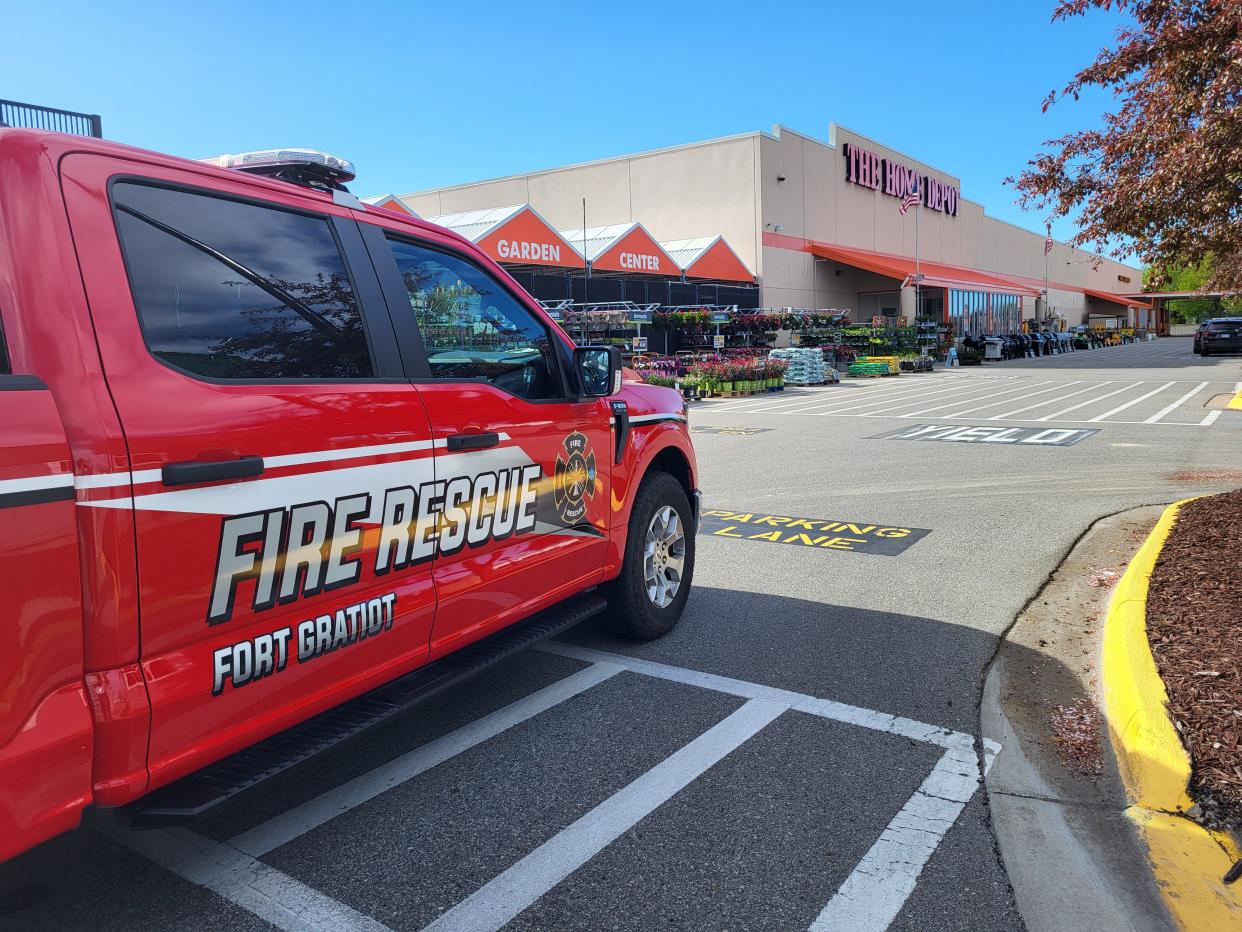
pixel 801 752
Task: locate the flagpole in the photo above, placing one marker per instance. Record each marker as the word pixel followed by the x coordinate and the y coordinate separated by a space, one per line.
pixel 1047 293
pixel 918 277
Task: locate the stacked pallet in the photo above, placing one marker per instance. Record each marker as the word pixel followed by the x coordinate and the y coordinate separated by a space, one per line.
pixel 873 366
pixel 805 365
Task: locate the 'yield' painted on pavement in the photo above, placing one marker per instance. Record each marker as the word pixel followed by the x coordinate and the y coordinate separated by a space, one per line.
pixel 1023 436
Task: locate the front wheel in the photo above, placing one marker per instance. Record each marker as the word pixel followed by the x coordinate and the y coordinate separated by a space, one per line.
pixel 647 599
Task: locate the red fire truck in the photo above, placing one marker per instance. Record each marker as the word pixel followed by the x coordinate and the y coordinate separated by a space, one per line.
pixel 277 466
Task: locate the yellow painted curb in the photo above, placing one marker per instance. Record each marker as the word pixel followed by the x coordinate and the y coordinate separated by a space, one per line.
pixel 1236 403
pixel 1155 768
pixel 1187 860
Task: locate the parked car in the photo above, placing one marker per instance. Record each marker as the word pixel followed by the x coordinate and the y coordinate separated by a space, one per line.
pixel 317 448
pixel 1222 335
pixel 1198 338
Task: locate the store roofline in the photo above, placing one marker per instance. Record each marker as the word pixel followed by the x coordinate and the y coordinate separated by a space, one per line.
pixel 645 153
pixel 777 128
pixel 776 133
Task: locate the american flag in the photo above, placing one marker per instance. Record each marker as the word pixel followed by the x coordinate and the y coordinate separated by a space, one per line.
pixel 911 198
pixel 1048 240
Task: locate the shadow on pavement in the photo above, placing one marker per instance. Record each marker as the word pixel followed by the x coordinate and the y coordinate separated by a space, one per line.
pixel 901 664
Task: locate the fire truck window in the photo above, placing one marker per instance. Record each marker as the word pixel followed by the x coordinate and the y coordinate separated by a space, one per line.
pixel 228 290
pixel 473 328
pixel 5 367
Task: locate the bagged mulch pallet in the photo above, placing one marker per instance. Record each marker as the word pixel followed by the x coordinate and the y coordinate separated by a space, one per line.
pixel 805 365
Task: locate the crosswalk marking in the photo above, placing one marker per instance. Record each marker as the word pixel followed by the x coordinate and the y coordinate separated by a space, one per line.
pixel 1089 401
pixel 1048 401
pixel 1072 401
pixel 957 401
pixel 1132 403
pixel 914 394
pixel 1186 397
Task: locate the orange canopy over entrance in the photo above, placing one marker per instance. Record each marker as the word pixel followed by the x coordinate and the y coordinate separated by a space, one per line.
pixel 1117 299
pixel 934 273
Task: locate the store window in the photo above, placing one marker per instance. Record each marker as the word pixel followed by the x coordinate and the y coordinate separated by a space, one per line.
pixel 473 328
pixel 980 313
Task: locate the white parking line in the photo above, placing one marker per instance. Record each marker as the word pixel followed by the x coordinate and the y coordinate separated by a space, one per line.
pixel 1089 401
pixel 1155 418
pixel 835 397
pixel 1133 402
pixel 872 895
pixel 299 820
pixel 1210 419
pixel 256 887
pixel 825 708
pixel 879 885
pixel 956 401
pixel 1054 388
pixel 912 394
pixel 502 898
pixel 969 394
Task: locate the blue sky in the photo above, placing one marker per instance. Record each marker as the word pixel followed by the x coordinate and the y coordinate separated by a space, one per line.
pixel 420 95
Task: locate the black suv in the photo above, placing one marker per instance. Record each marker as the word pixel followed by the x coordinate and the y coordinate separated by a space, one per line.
pixel 1222 335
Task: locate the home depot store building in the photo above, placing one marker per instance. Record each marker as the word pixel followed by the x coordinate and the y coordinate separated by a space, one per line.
pixel 625 261
pixel 817 224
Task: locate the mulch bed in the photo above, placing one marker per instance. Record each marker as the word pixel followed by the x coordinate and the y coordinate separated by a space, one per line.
pixel 1194 623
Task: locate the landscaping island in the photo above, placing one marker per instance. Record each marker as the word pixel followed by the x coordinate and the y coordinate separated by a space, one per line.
pixel 1194 625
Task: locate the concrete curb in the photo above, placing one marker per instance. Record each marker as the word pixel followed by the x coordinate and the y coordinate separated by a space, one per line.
pixel 1188 860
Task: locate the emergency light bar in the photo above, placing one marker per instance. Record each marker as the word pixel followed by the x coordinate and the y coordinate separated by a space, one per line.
pixel 309 168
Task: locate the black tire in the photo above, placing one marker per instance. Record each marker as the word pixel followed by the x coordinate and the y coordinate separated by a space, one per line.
pixel 1204 352
pixel 631 613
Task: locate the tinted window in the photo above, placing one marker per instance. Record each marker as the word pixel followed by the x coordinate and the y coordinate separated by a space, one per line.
pixel 473 328
pixel 1217 325
pixel 237 291
pixel 5 367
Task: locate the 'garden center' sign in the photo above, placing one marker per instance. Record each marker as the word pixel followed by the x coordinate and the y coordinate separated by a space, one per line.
pixel 880 539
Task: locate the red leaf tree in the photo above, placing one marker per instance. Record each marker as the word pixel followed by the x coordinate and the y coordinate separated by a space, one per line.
pixel 1163 175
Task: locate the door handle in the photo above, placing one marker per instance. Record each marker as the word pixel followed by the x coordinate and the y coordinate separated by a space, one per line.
pixel 621 424
pixel 473 441
pixel 244 467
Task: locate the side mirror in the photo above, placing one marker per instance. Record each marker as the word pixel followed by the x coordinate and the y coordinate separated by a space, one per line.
pixel 599 370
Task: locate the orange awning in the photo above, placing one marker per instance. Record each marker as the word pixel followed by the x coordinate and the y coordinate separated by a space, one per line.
pixel 708 257
pixel 1117 299
pixel 389 202
pixel 514 235
pixel 934 273
pixel 635 250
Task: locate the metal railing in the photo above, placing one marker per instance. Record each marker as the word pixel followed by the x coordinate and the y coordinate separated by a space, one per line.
pixel 32 116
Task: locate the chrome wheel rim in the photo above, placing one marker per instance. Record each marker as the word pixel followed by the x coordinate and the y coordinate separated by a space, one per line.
pixel 664 556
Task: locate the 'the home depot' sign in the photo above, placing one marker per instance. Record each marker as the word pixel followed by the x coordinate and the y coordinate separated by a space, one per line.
pixel 864 167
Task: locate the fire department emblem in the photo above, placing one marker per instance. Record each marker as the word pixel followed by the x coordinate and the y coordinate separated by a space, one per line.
pixel 574 480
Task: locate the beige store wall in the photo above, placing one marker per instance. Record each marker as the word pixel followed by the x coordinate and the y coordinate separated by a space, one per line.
pixel 695 190
pixel 730 186
pixel 815 201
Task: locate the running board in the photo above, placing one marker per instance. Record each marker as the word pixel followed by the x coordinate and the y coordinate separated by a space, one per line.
pixel 205 791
